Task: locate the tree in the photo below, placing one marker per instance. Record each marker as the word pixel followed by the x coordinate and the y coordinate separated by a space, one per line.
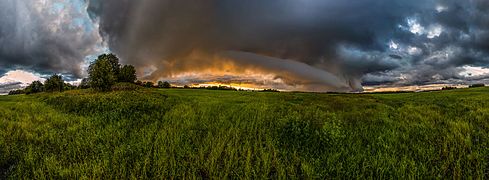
pixel 84 84
pixel 448 88
pixel 127 74
pixel 102 73
pixel 148 84
pixel 34 87
pixel 165 84
pixel 16 92
pixel 54 83
pixel 68 86
pixel 113 60
pixel 477 85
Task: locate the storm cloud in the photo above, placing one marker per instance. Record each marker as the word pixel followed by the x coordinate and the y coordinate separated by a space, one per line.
pixel 315 45
pixel 51 36
pixel 377 41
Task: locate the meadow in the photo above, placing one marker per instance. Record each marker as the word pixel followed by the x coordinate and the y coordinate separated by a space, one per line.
pixel 185 133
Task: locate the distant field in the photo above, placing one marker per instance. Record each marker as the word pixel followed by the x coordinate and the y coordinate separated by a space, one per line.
pixel 217 134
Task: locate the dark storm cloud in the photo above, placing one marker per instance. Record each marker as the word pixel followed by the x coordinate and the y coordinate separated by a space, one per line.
pixel 45 36
pixel 349 39
pixel 2 71
pixel 462 41
pixel 331 42
pixel 150 32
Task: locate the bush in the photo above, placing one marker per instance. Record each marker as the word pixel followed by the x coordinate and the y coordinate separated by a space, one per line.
pixel 125 87
pixel 69 86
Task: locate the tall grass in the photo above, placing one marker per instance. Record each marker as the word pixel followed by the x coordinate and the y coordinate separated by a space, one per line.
pixel 148 134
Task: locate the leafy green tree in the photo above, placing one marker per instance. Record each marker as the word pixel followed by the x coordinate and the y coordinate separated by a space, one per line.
pixel 477 85
pixel 34 87
pixel 16 92
pixel 68 86
pixel 127 74
pixel 102 74
pixel 84 84
pixel 113 60
pixel 148 84
pixel 165 84
pixel 54 83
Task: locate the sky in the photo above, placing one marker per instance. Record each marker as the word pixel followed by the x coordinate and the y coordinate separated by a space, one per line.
pixel 300 45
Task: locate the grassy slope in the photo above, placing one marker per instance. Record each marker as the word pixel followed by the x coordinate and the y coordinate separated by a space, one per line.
pixel 200 133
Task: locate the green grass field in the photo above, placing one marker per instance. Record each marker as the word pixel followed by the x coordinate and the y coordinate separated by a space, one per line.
pixel 175 133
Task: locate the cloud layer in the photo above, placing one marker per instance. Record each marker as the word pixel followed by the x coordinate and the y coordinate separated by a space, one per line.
pixel 49 36
pixel 17 79
pixel 316 45
pixel 377 41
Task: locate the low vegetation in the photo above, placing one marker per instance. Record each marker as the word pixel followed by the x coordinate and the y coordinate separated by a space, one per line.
pixel 185 133
pixel 446 88
pixel 477 85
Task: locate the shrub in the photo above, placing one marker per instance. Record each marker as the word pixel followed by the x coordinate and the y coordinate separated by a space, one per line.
pixel 124 87
pixel 68 86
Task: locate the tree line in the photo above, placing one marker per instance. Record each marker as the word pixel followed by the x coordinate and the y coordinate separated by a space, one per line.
pixel 55 83
pixel 103 74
